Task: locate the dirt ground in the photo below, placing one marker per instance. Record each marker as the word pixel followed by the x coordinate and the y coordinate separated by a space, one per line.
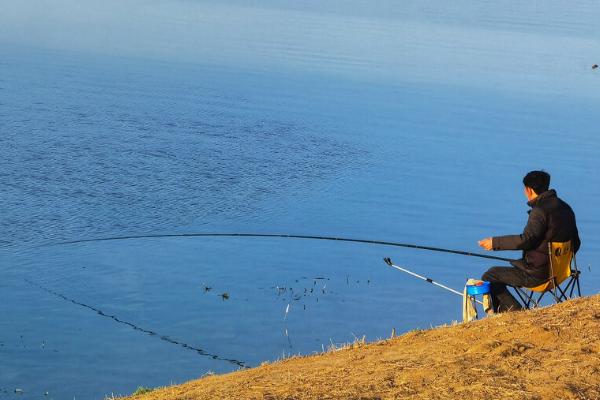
pixel 548 353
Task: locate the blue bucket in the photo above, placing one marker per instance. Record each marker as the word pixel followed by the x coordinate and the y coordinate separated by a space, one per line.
pixel 481 288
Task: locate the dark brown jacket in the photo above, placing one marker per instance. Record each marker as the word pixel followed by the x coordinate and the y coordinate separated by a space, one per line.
pixel 550 220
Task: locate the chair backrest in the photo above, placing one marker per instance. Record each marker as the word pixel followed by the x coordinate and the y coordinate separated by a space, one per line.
pixel 561 255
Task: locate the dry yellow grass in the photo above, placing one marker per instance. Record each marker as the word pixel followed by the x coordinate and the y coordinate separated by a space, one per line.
pixel 548 353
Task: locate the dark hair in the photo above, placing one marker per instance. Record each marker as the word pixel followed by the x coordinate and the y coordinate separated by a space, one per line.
pixel 539 181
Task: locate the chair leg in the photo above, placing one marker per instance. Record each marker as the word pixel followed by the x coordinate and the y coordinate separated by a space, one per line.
pixel 540 298
pixel 563 294
pixel 576 275
pixel 554 285
pixel 537 303
pixel 572 285
pixel 530 300
pixel 520 293
pixel 570 288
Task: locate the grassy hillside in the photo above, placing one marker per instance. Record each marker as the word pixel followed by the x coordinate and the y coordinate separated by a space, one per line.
pixel 548 353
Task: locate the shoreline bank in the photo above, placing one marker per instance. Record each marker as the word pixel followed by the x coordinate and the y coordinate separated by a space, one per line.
pixel 551 352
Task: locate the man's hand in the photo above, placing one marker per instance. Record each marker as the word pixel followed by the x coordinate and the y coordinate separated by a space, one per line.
pixel 486 243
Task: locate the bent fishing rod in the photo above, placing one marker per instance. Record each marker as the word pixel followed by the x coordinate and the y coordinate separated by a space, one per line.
pixel 389 262
pixel 287 236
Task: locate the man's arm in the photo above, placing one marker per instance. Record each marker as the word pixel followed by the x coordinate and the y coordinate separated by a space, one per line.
pixel 532 235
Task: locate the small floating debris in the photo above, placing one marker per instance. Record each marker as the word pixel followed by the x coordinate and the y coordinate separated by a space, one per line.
pixel 594 66
pixel 18 391
pixel 287 310
pixel 206 287
pixel 280 289
pixel 225 296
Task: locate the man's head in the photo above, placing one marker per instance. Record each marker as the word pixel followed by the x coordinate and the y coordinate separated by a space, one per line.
pixel 536 183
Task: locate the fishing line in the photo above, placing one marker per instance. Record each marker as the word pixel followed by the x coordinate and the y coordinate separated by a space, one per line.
pixel 286 236
pixel 136 327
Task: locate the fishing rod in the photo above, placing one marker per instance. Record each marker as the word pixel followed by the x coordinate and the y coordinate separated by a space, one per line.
pixel 389 262
pixel 287 236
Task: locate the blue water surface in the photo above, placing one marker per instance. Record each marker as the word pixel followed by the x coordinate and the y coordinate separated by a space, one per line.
pixel 410 122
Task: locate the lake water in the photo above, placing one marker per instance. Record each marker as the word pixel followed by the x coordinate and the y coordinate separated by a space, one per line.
pixel 410 122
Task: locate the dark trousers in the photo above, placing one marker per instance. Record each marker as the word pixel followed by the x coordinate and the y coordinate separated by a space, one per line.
pixel 499 277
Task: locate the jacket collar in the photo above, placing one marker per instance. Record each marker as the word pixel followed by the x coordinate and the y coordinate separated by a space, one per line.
pixel 541 197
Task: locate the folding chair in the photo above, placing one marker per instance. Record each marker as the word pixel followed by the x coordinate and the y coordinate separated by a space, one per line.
pixel 563 267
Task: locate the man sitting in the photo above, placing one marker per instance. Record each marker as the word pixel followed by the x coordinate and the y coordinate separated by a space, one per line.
pixel 550 220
